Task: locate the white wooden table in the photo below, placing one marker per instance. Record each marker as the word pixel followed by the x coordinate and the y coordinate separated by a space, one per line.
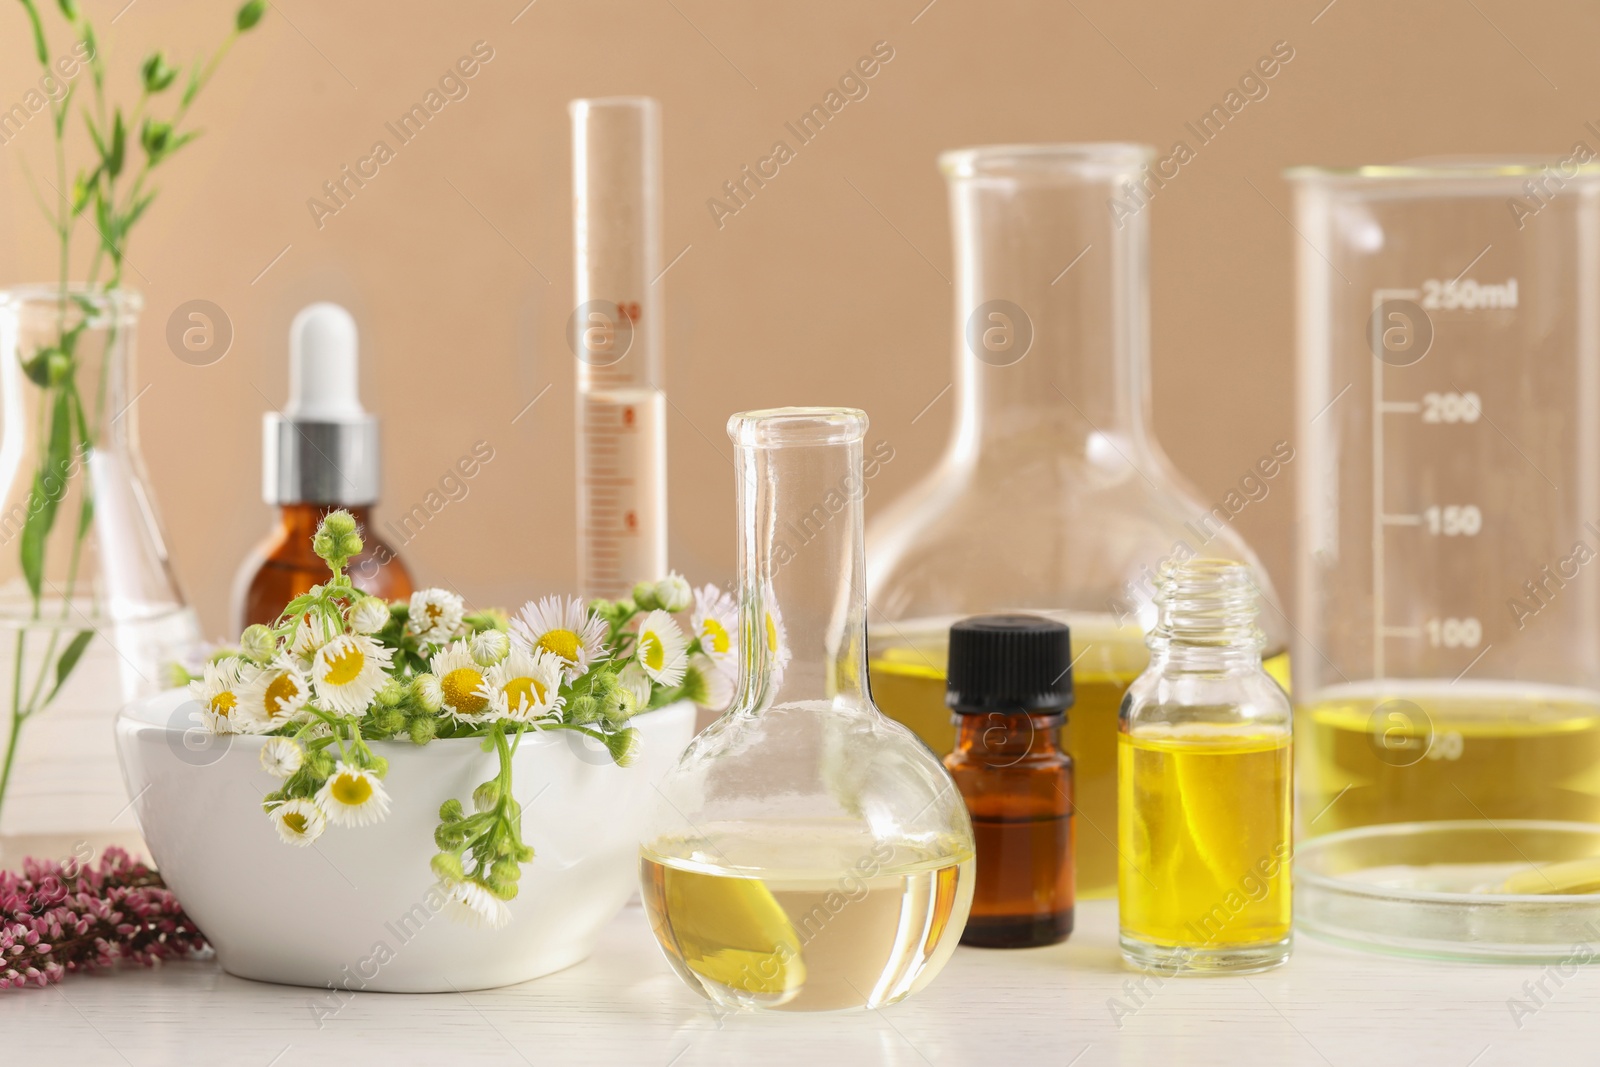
pixel 999 1008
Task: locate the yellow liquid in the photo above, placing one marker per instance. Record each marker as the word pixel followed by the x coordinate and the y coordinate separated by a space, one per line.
pixel 864 930
pixel 1442 751
pixel 908 685
pixel 1204 833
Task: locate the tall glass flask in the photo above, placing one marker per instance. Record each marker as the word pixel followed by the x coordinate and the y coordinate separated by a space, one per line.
pixel 616 332
pixel 1053 497
pixel 1448 609
pixel 806 853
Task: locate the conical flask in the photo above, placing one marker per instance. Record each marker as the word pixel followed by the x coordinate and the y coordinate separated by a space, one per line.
pixel 806 853
pixel 1053 496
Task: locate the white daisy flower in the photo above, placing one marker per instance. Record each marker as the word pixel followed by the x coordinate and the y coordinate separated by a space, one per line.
pixel 435 615
pixel 633 678
pixel 312 632
pixel 281 756
pixel 221 692
pixel 524 686
pixel 660 650
pixel 353 796
pixel 778 653
pixel 715 619
pixel 370 615
pixel 460 681
pixel 489 647
pixel 565 628
pixel 719 681
pixel 349 671
pixel 299 821
pixel 471 903
pixel 672 592
pixel 275 696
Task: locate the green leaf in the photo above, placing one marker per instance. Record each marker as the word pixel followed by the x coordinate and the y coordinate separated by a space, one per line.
pixel 39 47
pixel 193 87
pixel 69 8
pixel 69 659
pixel 249 15
pixel 136 210
pixel 33 533
pixel 119 144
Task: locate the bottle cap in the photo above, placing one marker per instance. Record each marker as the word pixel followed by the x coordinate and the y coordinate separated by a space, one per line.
pixel 323 448
pixel 1009 663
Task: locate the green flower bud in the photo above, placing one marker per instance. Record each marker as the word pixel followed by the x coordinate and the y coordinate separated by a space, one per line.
pixel 503 890
pixel 450 811
pixel 486 796
pixel 426 692
pixel 583 709
pixel 447 867
pixel 258 643
pixel 449 836
pixel 694 687
pixel 672 592
pixel 422 728
pixel 524 853
pixel 249 15
pixel 320 764
pixel 487 619
pixel 378 765
pixel 391 694
pixel 387 721
pixel 620 706
pixel 644 595
pixel 505 869
pixel 623 746
pixel 336 539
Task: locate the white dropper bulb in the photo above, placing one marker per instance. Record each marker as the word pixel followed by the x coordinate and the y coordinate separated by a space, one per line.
pixel 322 365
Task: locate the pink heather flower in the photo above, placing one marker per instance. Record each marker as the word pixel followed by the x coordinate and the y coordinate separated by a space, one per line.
pixel 61 918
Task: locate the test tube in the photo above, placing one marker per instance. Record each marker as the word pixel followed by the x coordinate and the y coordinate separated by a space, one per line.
pixel 615 332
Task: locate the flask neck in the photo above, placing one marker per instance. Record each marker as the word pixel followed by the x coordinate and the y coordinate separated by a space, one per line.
pixel 1206 618
pixel 801 571
pixel 1051 298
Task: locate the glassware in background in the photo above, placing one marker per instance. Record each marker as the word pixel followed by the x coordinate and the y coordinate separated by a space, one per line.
pixel 1204 783
pixel 1053 496
pixel 806 853
pixel 1448 610
pixel 1010 684
pixel 616 332
pixel 89 611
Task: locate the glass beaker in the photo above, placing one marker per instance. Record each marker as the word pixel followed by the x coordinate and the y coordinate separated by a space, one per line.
pixel 1053 496
pixel 1448 612
pixel 89 611
pixel 806 852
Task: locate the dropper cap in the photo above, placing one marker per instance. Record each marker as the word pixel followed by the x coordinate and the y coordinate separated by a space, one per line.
pixel 1009 663
pixel 323 448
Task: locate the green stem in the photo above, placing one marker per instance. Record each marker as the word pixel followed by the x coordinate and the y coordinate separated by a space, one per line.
pixel 17 717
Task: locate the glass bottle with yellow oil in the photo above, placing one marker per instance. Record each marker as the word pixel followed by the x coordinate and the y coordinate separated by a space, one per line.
pixel 1204 785
pixel 1053 497
pixel 806 853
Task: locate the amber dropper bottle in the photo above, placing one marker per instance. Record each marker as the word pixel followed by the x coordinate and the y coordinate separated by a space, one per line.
pixel 1009 685
pixel 321 453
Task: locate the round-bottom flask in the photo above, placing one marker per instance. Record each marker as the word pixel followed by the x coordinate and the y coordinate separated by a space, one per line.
pixel 806 853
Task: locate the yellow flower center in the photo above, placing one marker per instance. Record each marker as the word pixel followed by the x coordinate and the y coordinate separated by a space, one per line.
pixel 282 690
pixel 345 666
pixel 352 790
pixel 563 643
pixel 461 691
pixel 435 613
pixel 520 691
pixel 651 653
pixel 715 634
pixel 296 821
pixel 224 703
pixel 772 634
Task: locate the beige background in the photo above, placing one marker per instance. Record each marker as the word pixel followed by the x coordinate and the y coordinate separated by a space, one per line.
pixel 457 257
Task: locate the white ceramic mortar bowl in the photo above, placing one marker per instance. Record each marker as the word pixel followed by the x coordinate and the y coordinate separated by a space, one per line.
pixel 353 909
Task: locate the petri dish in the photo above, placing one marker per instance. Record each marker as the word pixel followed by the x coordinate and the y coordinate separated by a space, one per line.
pixel 1430 890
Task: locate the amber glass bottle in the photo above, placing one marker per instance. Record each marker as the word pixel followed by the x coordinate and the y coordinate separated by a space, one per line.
pixel 320 453
pixel 1009 685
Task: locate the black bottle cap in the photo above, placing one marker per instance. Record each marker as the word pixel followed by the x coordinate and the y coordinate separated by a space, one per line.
pixel 1009 663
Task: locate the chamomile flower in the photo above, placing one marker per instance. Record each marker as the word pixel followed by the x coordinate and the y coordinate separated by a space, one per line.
pixel 633 678
pixel 348 672
pixel 281 756
pixel 524 686
pixel 489 647
pixel 435 615
pixel 565 628
pixel 470 902
pixel 718 679
pixel 460 679
pixel 298 821
pixel 672 592
pixel 660 650
pixel 370 615
pixel 221 692
pixel 716 623
pixel 353 796
pixel 274 697
pixel 778 654
pixel 311 632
